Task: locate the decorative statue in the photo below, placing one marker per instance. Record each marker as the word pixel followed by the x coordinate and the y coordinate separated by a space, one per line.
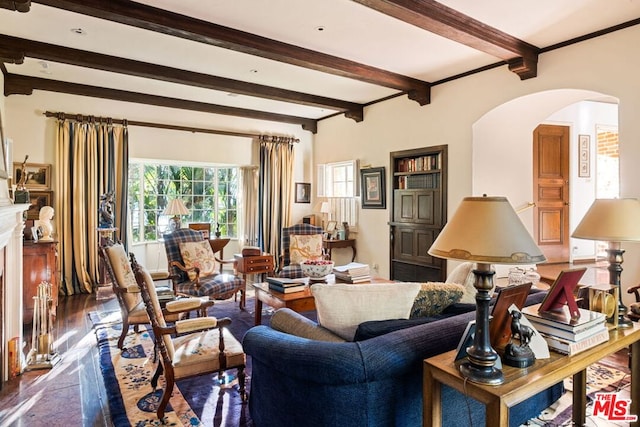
pixel 105 213
pixel 20 185
pixel 46 228
pixel 520 356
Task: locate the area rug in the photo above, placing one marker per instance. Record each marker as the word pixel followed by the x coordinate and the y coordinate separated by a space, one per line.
pixel 601 378
pixel 205 400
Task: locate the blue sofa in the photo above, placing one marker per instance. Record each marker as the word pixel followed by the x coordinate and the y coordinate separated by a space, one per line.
pixel 298 381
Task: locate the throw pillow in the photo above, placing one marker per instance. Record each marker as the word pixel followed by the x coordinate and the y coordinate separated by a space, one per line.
pixel 463 275
pixel 302 248
pixel 434 297
pixel 198 254
pixel 342 307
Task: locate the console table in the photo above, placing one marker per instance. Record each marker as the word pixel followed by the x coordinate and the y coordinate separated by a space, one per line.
pixel 520 384
pixel 346 243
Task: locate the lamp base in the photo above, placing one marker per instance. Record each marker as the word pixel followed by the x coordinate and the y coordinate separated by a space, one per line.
pixel 489 375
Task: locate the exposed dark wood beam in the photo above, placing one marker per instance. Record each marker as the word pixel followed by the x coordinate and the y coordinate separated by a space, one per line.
pixel 154 19
pixel 18 5
pixel 439 19
pixel 14 50
pixel 25 85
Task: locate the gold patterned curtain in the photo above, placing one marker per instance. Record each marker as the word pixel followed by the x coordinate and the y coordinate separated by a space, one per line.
pixel 248 224
pixel 275 192
pixel 91 159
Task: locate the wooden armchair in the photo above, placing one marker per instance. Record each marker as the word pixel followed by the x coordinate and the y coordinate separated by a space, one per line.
pixel 123 282
pixel 189 347
pixel 634 308
pixel 196 271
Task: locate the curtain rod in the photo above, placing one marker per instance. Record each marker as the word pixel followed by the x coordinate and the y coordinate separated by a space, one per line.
pixel 125 122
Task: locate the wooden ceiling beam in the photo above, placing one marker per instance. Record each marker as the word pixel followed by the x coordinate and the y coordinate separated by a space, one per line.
pixel 439 19
pixel 25 85
pixel 16 5
pixel 13 48
pixel 150 18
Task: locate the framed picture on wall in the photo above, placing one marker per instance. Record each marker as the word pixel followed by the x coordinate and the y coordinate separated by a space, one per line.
pixel 303 192
pixel 373 188
pixel 38 175
pixel 38 199
pixel 584 156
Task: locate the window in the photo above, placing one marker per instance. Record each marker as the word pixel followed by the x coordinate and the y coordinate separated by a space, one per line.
pixel 337 179
pixel 209 192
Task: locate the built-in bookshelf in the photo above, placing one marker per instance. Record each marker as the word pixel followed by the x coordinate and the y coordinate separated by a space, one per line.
pixel 418 212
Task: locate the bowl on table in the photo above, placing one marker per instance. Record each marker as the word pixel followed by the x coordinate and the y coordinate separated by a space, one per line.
pixel 316 269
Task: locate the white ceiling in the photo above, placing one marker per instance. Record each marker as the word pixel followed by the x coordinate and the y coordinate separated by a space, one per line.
pixel 350 30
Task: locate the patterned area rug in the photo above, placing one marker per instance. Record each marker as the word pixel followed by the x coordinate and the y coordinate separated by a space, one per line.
pixel 600 378
pixel 204 400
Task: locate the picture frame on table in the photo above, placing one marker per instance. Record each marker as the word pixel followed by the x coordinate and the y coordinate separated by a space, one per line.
pixel 203 227
pixel 303 192
pixel 38 175
pixel 373 188
pixel 331 226
pixel 37 200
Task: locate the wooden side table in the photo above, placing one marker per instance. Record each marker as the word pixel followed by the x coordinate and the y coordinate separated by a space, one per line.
pixel 259 264
pixel 521 384
pixel 346 243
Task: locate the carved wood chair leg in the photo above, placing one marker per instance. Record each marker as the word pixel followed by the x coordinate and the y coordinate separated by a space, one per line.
pixel 125 331
pixel 166 395
pixel 156 376
pixel 241 381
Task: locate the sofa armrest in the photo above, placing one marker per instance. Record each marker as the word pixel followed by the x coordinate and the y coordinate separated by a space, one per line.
pixel 290 322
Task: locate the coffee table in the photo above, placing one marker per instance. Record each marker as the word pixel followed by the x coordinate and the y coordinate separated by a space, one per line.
pixel 296 301
pixel 521 384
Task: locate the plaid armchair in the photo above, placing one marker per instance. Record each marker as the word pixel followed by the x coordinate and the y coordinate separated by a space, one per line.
pixel 286 267
pixel 218 286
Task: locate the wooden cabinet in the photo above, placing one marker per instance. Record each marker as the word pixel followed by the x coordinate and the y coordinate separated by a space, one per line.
pixel 39 263
pixel 419 212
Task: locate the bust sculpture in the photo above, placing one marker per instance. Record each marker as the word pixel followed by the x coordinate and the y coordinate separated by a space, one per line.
pixel 46 228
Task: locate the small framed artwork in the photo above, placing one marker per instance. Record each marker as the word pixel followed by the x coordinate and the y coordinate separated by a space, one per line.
pixel 584 156
pixel 303 192
pixel 203 227
pixel 37 175
pixel 466 340
pixel 38 199
pixel 331 226
pixel 373 188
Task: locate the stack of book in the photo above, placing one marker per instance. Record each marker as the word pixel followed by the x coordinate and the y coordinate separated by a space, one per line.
pixel 565 335
pixel 285 285
pixel 354 272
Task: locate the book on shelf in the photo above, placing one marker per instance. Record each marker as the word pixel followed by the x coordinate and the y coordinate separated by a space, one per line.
pixel 285 282
pixel 561 318
pixel 568 335
pixel 287 289
pixel 571 348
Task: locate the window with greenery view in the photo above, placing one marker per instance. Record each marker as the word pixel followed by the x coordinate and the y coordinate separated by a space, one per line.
pixel 210 194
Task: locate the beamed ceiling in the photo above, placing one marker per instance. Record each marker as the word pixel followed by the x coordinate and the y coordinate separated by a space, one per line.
pixel 290 61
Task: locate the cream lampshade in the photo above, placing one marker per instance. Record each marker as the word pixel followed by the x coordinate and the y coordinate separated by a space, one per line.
pixel 176 208
pixel 485 230
pixel 612 221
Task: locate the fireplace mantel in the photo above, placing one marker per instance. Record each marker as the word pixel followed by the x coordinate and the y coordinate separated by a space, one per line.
pixel 11 228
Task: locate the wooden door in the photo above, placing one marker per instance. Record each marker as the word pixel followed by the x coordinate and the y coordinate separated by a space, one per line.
pixel 551 191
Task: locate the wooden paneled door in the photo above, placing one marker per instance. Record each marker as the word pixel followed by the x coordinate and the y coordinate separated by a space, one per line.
pixel 551 191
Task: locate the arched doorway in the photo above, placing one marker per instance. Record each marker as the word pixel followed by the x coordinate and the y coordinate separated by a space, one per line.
pixel 502 158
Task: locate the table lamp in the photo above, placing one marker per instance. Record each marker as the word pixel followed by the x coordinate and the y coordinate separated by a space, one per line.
pixel 485 230
pixel 325 210
pixel 176 208
pixel 613 221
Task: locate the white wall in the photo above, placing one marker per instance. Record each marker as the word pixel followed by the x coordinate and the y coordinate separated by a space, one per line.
pixel 603 66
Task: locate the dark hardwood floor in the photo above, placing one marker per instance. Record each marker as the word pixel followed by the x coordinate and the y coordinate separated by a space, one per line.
pixel 72 393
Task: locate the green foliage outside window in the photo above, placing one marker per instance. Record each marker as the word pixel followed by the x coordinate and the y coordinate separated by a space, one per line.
pixel 210 194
